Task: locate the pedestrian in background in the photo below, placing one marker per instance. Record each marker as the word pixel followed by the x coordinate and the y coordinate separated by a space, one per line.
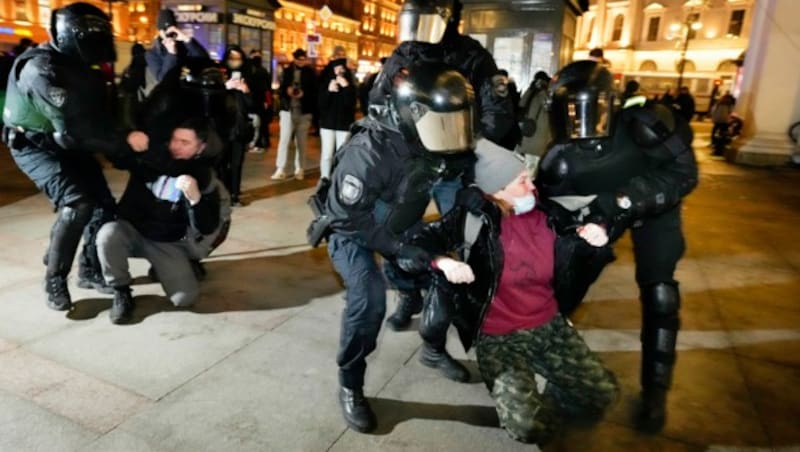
pixel 298 93
pixel 337 107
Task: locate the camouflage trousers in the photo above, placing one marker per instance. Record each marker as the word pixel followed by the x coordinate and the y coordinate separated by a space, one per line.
pixel 578 384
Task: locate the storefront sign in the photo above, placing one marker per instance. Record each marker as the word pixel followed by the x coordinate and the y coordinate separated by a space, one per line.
pixel 189 8
pixel 250 21
pixel 255 13
pixel 198 17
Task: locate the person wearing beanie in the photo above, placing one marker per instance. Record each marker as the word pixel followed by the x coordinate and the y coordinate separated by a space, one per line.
pixel 172 47
pixel 500 296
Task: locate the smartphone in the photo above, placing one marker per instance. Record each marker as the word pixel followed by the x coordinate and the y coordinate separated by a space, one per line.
pixel 236 75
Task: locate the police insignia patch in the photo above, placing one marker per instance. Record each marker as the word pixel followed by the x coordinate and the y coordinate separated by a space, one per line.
pixel 57 95
pixel 352 189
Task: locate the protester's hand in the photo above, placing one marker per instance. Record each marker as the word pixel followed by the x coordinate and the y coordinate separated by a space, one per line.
pixel 342 81
pixel 138 141
pixel 413 259
pixel 333 86
pixel 171 45
pixel 237 84
pixel 455 271
pixel 180 35
pixel 594 234
pixel 472 198
pixel 188 185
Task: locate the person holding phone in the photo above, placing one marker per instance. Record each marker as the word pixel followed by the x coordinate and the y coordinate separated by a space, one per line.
pixel 298 93
pixel 238 79
pixel 337 106
pixel 172 47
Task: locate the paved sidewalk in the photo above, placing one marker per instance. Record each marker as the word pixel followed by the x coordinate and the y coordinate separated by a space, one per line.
pixel 252 366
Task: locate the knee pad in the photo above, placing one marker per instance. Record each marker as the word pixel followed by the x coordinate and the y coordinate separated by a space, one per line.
pixel 661 300
pixel 79 212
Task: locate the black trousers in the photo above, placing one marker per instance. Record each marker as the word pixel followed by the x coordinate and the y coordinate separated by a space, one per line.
pixel 70 179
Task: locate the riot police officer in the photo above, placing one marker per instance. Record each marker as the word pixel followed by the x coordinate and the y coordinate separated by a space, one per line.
pixel 380 188
pixel 428 31
pixel 56 117
pixel 639 164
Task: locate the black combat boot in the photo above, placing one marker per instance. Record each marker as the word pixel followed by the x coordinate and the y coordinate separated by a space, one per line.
pixel 57 293
pixel 356 410
pixel 122 308
pixel 652 411
pixel 93 279
pixel 438 358
pixel 408 304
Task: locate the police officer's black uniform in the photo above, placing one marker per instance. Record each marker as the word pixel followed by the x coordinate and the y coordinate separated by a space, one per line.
pixel 380 188
pixel 429 32
pixel 640 164
pixel 56 116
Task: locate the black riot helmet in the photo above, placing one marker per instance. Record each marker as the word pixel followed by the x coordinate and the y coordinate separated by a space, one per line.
pixel 83 31
pixel 434 106
pixel 583 102
pixel 427 20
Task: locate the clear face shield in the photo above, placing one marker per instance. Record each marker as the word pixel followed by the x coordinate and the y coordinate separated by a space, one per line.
pixel 444 132
pixel 428 27
pixel 589 116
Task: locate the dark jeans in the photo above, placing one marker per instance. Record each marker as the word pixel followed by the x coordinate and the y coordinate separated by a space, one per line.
pixel 365 306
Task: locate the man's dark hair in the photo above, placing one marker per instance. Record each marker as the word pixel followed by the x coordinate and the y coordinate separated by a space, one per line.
pixel 299 53
pixel 597 52
pixel 200 127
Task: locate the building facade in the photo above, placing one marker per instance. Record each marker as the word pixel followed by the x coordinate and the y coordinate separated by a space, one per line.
pixel 649 40
pixel 524 36
pixel 377 33
pixel 132 21
pixel 317 30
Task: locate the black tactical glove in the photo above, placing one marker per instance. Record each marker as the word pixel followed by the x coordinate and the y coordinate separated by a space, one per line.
pixel 472 198
pixel 413 259
pixel 607 211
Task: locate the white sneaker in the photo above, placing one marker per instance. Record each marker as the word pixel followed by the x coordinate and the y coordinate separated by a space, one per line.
pixel 279 175
pixel 299 174
pixel 256 150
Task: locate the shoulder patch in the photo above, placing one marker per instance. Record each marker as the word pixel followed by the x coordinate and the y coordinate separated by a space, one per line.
pixel 352 190
pixel 57 95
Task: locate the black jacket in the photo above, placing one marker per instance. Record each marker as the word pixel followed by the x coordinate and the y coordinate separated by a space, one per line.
pixel 380 186
pixel 308 83
pixel 337 110
pixel 495 108
pixel 63 102
pixel 654 176
pixel 577 266
pixel 167 220
pixel 160 61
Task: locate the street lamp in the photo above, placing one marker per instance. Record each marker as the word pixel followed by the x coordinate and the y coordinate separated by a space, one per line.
pixel 691 24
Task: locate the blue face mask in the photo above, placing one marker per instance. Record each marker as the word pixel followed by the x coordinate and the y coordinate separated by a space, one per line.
pixel 524 204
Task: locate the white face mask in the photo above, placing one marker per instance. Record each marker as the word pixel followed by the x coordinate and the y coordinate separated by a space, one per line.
pixel 524 204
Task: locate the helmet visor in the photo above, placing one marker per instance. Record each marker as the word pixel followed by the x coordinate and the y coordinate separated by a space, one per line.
pixel 446 132
pixel 589 115
pixel 95 40
pixel 422 27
